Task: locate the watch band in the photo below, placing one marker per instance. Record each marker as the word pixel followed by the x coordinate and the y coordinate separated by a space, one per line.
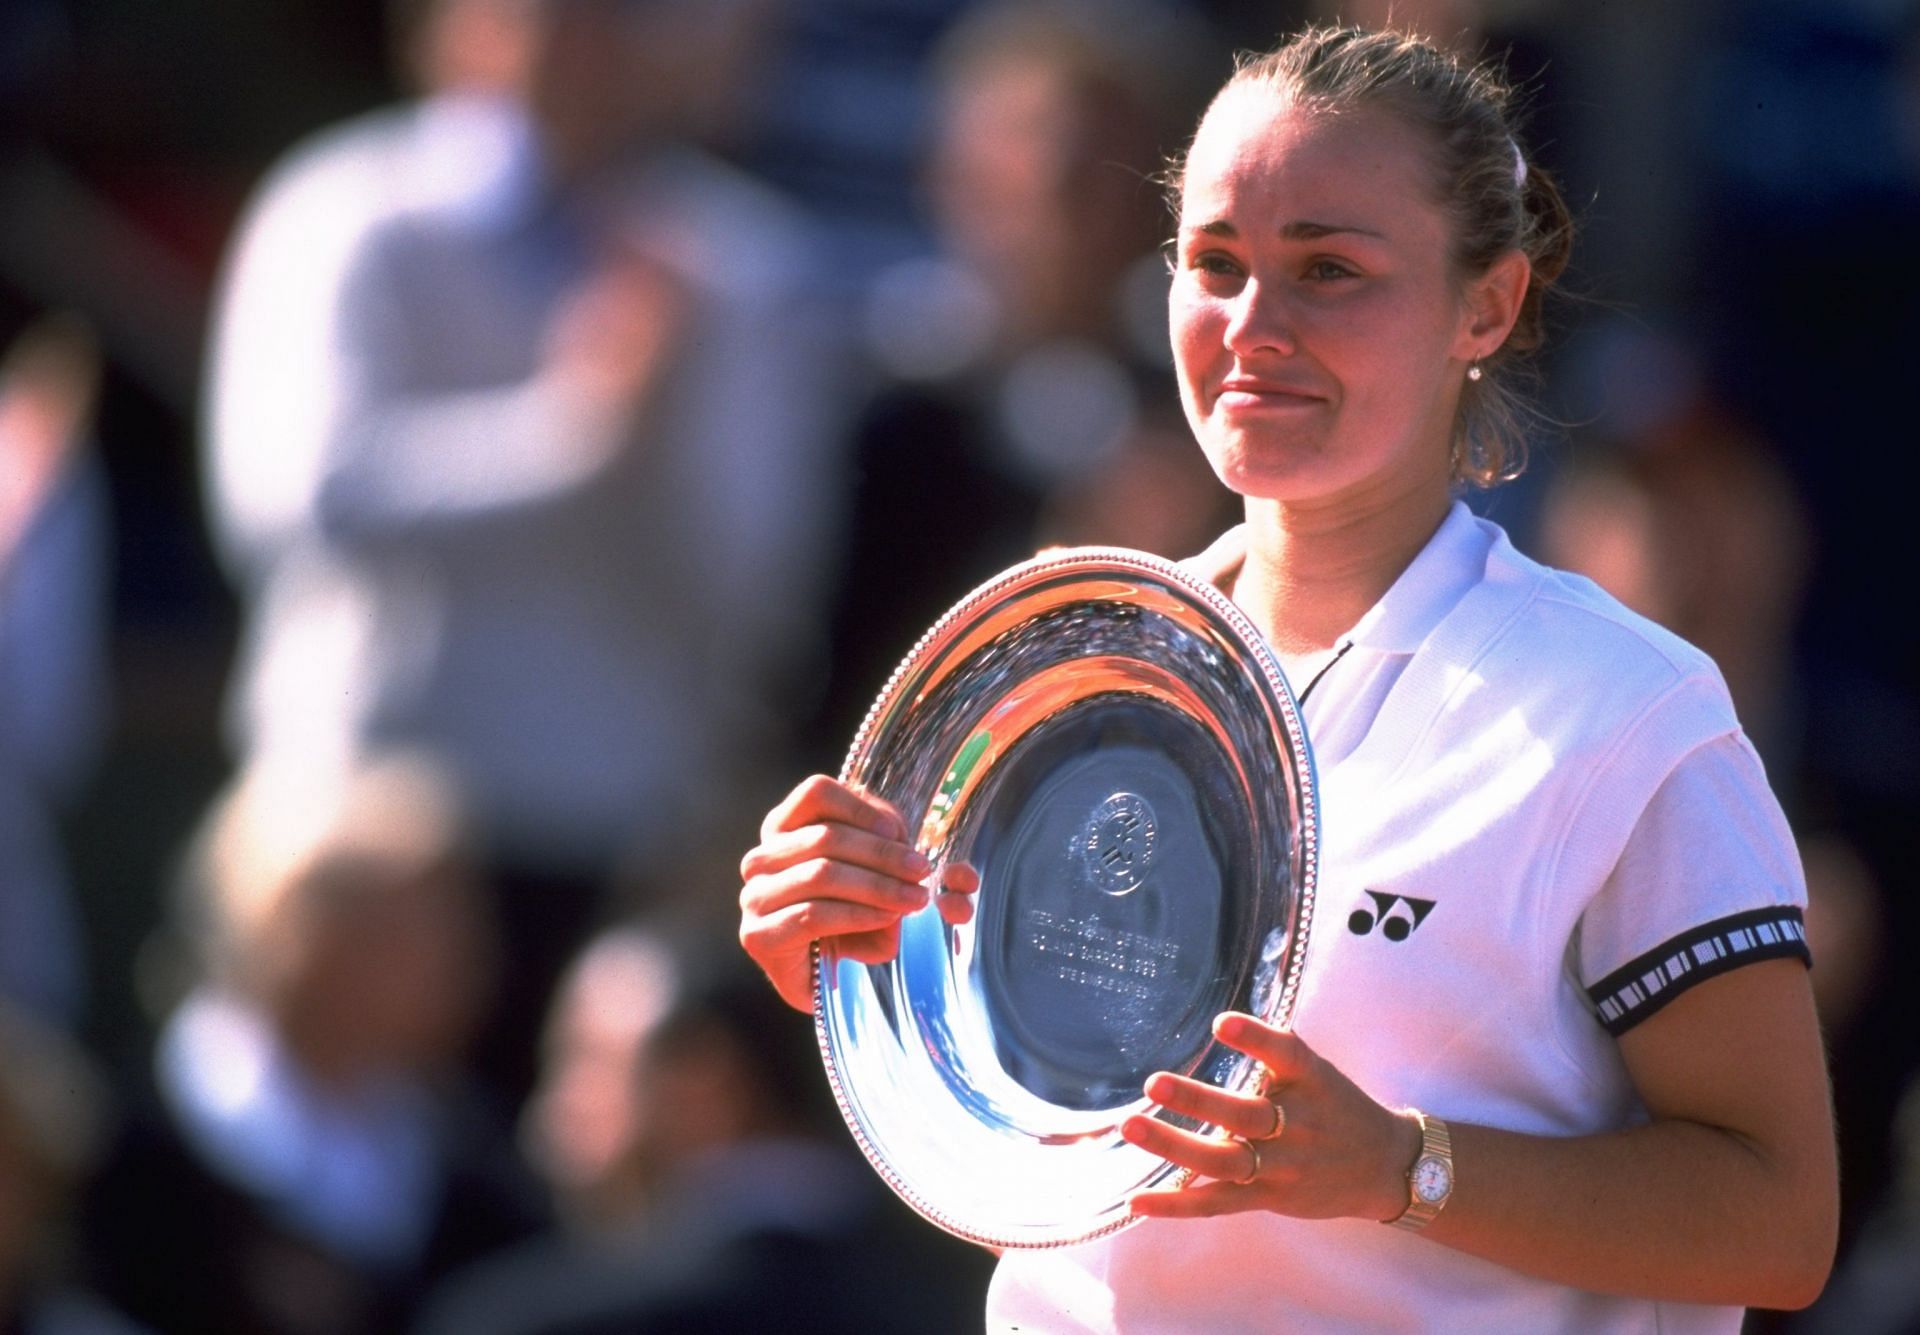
pixel 1430 1180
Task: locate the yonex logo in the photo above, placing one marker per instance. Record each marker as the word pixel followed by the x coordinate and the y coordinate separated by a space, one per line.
pixel 1395 915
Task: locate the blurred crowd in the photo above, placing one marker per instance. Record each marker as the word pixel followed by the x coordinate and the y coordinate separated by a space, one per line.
pixel 461 459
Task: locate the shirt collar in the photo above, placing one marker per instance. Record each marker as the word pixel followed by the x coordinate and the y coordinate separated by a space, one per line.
pixel 1451 563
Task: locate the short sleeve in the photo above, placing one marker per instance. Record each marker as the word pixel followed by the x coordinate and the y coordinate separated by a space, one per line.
pixel 1709 880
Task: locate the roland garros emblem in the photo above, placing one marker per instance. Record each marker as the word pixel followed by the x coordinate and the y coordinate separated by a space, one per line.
pixel 1117 848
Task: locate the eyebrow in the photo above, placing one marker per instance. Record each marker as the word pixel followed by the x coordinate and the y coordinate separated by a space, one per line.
pixel 1299 230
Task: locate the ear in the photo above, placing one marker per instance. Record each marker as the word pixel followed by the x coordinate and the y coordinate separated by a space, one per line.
pixel 1492 304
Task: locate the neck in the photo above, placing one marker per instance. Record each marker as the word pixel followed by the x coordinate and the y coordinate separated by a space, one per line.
pixel 1312 572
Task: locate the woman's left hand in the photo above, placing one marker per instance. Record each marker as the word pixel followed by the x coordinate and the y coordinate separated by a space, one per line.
pixel 1308 1143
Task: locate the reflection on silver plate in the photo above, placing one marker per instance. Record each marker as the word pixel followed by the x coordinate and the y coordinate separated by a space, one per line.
pixel 1110 743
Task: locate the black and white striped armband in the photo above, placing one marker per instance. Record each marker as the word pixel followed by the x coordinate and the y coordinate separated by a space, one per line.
pixel 1637 989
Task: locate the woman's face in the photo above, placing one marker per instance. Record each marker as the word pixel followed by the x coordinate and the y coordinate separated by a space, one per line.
pixel 1319 330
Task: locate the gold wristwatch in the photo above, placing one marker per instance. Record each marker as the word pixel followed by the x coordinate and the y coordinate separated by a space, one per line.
pixel 1430 1180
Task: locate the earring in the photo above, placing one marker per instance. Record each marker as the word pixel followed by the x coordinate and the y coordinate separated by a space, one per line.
pixel 1473 372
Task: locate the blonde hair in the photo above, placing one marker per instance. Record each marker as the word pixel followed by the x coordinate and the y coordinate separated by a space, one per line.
pixel 271 837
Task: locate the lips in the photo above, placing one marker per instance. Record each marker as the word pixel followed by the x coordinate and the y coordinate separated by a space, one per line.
pixel 1249 392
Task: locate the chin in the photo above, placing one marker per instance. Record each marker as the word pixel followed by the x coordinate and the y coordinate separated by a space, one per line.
pixel 1261 467
pixel 1264 478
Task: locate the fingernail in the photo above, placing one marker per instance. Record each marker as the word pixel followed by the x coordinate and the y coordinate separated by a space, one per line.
pixel 919 862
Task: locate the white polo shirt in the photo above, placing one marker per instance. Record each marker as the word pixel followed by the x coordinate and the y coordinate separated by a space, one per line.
pixel 1540 822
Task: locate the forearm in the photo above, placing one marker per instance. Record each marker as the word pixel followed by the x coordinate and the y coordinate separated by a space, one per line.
pixel 1673 1210
pixel 1727 1194
pixel 1730 1194
pixel 401 462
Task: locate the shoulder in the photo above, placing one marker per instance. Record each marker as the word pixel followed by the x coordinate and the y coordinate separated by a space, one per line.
pixel 318 206
pixel 341 161
pixel 1547 670
pixel 717 212
pixel 1560 634
pixel 1222 559
pixel 460 163
pixel 1561 604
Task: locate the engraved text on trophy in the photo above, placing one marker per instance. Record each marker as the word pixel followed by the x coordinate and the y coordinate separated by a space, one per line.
pixel 1082 951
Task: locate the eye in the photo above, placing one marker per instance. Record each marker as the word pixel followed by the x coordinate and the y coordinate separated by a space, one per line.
pixel 1216 268
pixel 1329 271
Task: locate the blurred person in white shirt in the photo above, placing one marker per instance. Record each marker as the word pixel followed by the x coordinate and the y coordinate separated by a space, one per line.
pixel 517 450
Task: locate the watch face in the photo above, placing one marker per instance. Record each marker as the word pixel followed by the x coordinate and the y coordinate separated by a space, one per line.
pixel 1432 1180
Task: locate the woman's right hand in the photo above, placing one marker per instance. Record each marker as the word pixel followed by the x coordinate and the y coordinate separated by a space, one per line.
pixel 835 863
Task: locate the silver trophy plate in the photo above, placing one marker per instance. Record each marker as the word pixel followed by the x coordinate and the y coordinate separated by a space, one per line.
pixel 1110 743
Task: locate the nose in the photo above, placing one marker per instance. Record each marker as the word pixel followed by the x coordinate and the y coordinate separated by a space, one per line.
pixel 1259 321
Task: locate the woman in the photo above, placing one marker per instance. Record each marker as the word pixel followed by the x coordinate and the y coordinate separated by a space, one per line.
pixel 1554 1022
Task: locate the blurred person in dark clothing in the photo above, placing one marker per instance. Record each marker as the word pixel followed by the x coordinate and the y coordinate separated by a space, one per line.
pixel 1688 516
pixel 308 1159
pixel 51 1109
pixel 705 1178
pixel 1027 379
pixel 54 548
pixel 515 451
pixel 1804 141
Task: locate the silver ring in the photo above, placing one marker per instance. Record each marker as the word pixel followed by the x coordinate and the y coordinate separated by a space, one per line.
pixel 1279 1120
pixel 1252 1147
